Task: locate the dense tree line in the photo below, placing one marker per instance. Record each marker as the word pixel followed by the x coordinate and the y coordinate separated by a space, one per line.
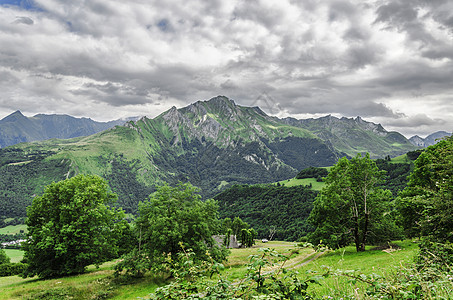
pixel 312 172
pixel 123 181
pixel 268 206
pixel 396 176
pixel 11 237
pixel 24 175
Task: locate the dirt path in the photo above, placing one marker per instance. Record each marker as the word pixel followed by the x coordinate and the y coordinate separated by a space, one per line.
pixel 295 263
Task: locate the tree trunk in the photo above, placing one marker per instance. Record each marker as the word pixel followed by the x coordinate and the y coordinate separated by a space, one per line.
pixel 356 233
pixel 365 232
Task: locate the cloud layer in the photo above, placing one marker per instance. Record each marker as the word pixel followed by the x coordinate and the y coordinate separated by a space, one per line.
pixel 387 61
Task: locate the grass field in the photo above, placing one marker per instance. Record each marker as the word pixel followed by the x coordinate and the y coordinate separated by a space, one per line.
pixel 369 262
pixel 402 159
pixel 15 254
pixel 100 283
pixel 317 186
pixel 13 229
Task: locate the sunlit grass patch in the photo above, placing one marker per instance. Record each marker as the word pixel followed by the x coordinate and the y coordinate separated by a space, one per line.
pixel 16 255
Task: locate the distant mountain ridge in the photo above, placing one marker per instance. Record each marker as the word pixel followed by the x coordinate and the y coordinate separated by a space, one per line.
pixel 354 136
pixel 17 128
pixel 430 140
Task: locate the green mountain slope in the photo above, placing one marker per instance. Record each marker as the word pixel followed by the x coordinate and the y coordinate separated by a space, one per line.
pixel 213 144
pixel 354 136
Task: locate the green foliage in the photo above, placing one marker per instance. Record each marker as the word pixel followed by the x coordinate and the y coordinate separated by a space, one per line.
pixel 312 172
pixel 267 206
pixel 123 181
pixel 247 237
pixel 351 208
pixel 413 155
pixel 426 204
pixel 194 280
pixel 405 283
pixel 238 225
pixel 396 176
pixel 434 258
pixel 70 227
pixel 23 174
pixel 11 269
pixel 4 259
pixel 172 218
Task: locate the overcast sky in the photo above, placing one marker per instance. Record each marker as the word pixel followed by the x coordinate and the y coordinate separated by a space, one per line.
pixel 389 62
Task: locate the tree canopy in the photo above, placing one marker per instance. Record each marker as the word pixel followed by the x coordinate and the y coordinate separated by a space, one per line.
pixel 351 207
pixel 173 219
pixel 70 227
pixel 426 204
pixel 4 259
pixel 264 207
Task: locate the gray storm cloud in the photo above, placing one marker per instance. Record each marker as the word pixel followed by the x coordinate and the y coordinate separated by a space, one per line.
pixel 390 61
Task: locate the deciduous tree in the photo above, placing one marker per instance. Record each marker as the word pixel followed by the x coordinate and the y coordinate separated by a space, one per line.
pixel 4 259
pixel 351 208
pixel 70 227
pixel 426 204
pixel 173 219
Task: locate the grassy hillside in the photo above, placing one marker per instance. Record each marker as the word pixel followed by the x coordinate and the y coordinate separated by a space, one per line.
pixel 352 136
pixel 13 229
pixel 99 283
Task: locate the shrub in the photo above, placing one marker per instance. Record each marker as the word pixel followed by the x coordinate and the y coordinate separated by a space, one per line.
pixel 10 269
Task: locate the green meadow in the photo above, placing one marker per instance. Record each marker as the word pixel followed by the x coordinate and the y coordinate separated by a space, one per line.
pixel 101 284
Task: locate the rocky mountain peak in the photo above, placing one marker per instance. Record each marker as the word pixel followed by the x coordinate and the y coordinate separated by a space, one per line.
pixel 17 115
pixel 370 126
pixel 430 140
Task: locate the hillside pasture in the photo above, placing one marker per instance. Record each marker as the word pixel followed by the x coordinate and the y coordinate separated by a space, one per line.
pixel 315 185
pixel 101 284
pixel 13 229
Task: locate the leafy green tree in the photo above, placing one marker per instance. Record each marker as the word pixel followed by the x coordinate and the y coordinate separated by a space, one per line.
pixel 174 219
pixel 226 225
pixel 247 237
pixel 70 227
pixel 426 204
pixel 4 259
pixel 351 208
pixel 238 225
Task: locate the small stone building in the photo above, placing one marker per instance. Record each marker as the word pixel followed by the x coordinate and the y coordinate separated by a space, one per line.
pixel 221 238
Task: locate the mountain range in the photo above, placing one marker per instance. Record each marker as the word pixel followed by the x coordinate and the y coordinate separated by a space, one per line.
pixel 17 128
pixel 429 140
pixel 212 144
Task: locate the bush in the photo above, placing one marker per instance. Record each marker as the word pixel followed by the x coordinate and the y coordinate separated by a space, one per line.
pixel 435 257
pixel 10 269
pixel 191 280
pixel 3 257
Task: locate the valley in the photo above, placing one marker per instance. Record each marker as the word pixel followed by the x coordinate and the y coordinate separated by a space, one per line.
pixel 213 144
pixel 268 179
